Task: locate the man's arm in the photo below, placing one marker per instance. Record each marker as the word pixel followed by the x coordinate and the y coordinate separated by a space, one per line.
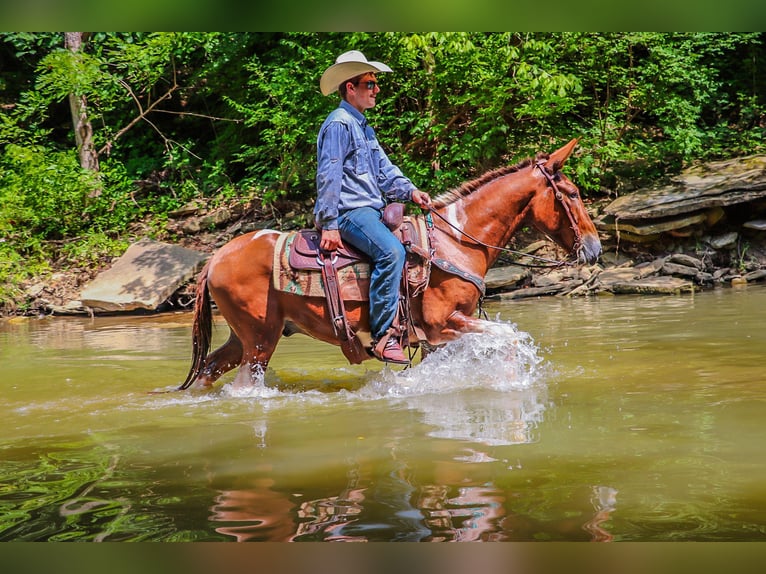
pixel 330 156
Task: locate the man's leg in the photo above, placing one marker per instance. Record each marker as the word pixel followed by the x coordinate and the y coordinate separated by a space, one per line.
pixel 364 229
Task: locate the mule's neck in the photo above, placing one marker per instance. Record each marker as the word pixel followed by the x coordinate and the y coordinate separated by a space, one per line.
pixel 491 214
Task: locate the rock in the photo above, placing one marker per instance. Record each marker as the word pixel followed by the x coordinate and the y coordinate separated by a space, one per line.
pixel 725 240
pixel 713 216
pixel 143 278
pixel 536 246
pixel 677 269
pixel 610 276
pixel 242 227
pixel 530 292
pixel 719 273
pixel 653 286
pixel 650 267
pixel 216 218
pixel 189 226
pixel 211 220
pixel 687 260
pixel 552 278
pixel 614 259
pixel 758 225
pixel 71 308
pixel 611 224
pixel 191 208
pixel 35 290
pixel 499 278
pixel 570 287
pixel 756 275
pixel 699 197
pixel 715 184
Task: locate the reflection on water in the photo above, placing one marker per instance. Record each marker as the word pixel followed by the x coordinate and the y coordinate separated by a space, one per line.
pixel 391 507
pixel 485 418
pixel 604 501
pixel 255 514
pixel 592 419
pixel 448 390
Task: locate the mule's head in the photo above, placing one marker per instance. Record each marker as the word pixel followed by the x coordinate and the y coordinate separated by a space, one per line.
pixel 558 210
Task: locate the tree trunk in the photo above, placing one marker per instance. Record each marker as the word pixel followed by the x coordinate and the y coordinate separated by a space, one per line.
pixel 83 131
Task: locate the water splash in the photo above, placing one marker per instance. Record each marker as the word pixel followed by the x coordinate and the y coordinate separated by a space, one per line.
pixel 486 388
pixel 249 384
pixel 501 358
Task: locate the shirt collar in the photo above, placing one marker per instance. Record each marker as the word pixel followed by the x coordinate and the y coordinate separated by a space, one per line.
pixel 354 112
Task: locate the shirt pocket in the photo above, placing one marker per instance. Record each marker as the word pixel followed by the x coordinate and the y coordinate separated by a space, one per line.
pixel 360 156
pixel 373 157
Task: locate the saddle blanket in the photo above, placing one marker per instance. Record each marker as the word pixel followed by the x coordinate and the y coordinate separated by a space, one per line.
pixel 354 279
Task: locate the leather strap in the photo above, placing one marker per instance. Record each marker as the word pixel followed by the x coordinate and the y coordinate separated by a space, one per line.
pixel 452 269
pixel 349 343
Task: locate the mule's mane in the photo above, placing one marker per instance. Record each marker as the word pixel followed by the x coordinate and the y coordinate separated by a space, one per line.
pixel 469 187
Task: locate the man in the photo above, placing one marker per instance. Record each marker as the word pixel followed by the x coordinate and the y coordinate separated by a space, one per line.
pixel 355 179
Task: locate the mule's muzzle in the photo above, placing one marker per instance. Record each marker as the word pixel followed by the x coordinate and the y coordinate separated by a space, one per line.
pixel 590 249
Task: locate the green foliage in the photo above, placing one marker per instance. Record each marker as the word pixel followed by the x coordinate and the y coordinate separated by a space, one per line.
pixel 281 107
pixel 42 193
pixel 185 116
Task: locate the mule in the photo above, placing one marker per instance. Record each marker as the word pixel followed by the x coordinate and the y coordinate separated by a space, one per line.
pixel 473 222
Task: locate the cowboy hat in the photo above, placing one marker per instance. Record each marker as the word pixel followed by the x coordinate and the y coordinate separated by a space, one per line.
pixel 348 65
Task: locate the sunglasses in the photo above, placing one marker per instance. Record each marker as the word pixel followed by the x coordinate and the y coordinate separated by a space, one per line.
pixel 369 84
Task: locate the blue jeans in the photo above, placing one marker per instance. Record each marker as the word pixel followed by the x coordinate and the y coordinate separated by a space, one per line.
pixel 364 229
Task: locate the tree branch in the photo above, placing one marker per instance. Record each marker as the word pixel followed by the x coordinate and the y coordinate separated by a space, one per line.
pixel 141 116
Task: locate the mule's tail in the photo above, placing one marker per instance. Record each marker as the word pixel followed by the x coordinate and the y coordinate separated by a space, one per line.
pixel 202 329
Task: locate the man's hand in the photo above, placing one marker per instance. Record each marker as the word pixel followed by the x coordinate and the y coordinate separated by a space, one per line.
pixel 421 199
pixel 330 240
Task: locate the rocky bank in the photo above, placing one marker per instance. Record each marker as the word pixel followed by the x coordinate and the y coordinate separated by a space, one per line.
pixel 704 228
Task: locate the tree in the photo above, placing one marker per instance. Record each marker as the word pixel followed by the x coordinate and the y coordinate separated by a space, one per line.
pixel 78 104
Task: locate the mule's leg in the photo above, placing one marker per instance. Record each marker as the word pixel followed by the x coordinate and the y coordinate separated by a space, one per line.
pixel 458 324
pixel 258 326
pixel 446 308
pixel 239 280
pixel 259 343
pixel 220 361
pixel 427 348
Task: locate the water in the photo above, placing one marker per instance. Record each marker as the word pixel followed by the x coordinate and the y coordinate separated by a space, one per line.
pixel 622 418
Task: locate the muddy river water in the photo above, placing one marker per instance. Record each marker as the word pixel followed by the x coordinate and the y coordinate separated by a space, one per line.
pixel 607 418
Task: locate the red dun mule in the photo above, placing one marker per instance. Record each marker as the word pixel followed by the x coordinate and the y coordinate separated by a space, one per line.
pixel 472 221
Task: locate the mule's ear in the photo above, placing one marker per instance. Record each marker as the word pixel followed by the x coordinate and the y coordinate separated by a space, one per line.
pixel 559 157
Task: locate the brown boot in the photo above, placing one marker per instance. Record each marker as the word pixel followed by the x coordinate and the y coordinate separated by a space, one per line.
pixel 392 353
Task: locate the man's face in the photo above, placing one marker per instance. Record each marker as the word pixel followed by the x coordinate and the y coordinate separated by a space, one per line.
pixel 360 95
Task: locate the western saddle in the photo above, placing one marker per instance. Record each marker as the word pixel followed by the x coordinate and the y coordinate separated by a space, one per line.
pixel 306 255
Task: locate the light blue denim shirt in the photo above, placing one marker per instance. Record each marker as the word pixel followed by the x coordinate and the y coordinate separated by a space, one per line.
pixel 352 169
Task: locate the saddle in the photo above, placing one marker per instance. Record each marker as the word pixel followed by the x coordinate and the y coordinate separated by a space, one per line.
pixel 305 252
pixel 305 255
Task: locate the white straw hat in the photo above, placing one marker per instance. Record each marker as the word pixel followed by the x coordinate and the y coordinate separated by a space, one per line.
pixel 348 65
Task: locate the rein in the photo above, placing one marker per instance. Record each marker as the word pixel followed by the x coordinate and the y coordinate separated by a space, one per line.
pixel 551 263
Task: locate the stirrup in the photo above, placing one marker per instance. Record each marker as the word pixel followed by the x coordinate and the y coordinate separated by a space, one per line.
pixel 389 350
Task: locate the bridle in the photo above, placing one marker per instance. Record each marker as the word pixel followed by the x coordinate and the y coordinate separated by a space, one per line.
pixel 573 222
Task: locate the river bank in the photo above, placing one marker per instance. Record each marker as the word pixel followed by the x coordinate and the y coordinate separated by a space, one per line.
pixel 668 265
pixel 701 229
